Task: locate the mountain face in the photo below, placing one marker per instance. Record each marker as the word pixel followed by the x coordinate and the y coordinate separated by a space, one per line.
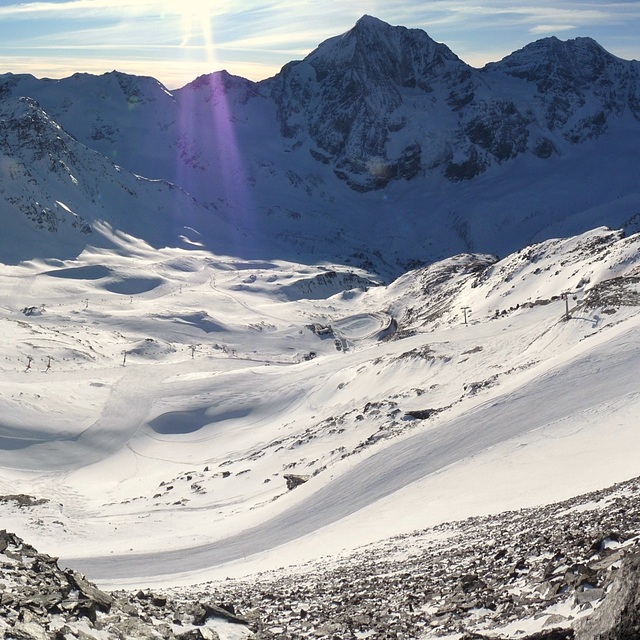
pixel 375 100
pixel 579 86
pixel 352 94
pixel 381 149
pixel 53 184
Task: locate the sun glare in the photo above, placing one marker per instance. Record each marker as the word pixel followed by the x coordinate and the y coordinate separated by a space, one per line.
pixel 195 20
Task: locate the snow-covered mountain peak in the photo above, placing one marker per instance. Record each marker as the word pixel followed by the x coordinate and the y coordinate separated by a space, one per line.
pixel 370 22
pixel 563 65
pixel 220 84
pixel 135 88
pixel 383 103
pixel 581 87
pixel 375 52
pixel 436 155
pixel 354 98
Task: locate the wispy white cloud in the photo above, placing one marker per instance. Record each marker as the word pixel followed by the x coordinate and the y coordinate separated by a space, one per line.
pixel 75 8
pixel 256 38
pixel 516 14
pixel 540 29
pixel 522 14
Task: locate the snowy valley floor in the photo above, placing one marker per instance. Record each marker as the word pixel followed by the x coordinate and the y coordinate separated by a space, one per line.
pixel 156 405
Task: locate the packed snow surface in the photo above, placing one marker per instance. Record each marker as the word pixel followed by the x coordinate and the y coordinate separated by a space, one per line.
pixel 157 401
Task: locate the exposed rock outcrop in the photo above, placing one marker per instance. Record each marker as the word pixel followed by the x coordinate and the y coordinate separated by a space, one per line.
pixel 41 601
pixel 566 571
pixel 619 616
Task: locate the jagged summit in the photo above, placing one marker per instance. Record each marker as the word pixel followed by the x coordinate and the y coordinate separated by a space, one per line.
pixel 370 22
pixel 381 103
pixel 377 48
pixel 580 85
pixel 221 83
pixel 566 64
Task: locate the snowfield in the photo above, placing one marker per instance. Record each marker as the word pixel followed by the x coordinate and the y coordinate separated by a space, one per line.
pixel 269 358
pixel 155 401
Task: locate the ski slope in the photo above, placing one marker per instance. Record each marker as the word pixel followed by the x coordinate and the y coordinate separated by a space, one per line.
pixel 605 377
pixel 155 401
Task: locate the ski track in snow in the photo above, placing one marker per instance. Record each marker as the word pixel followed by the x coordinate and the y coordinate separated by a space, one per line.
pixel 591 380
pixel 124 412
pixel 174 464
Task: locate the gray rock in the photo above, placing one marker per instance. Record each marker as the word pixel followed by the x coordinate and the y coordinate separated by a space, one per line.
pixel 294 480
pixel 90 591
pixel 618 618
pixel 198 634
pixel 205 611
pixel 27 631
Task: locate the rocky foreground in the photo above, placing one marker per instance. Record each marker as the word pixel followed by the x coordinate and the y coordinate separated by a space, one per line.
pixel 567 570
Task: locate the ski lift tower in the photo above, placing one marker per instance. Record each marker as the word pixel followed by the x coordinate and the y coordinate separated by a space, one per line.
pixel 565 296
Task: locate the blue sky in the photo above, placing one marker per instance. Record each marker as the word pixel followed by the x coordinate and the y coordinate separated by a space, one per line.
pixel 176 41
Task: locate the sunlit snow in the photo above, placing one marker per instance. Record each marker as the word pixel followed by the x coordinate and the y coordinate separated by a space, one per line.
pixel 158 398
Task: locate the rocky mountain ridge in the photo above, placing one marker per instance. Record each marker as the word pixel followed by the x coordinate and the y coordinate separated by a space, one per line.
pixel 379 133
